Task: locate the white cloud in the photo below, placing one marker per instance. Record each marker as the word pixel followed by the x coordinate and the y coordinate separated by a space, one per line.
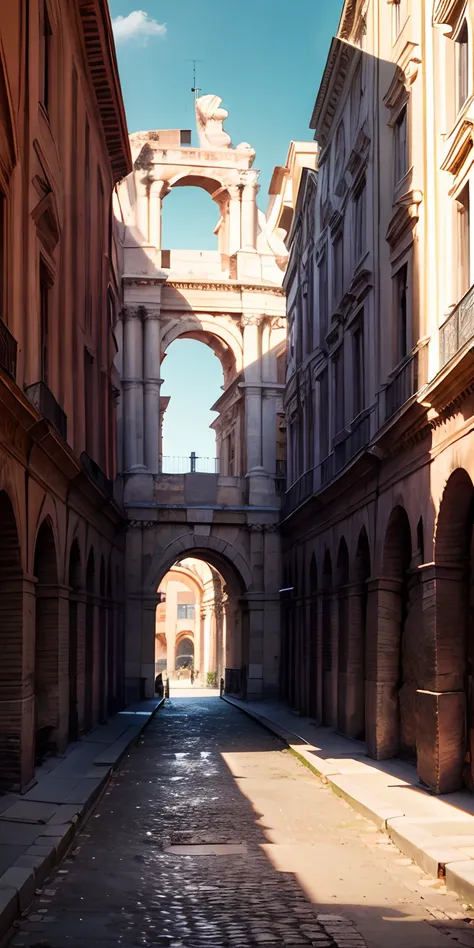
pixel 136 26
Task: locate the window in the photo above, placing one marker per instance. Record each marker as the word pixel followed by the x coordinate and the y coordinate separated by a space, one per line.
pixel 401 310
pixel 359 225
pixel 45 62
pixel 323 415
pixel 338 390
pixel 310 307
pixel 185 611
pixel 462 65
pixel 358 369
pixel 338 247
pixel 462 263
pixel 310 431
pixel 400 146
pixel 45 287
pixel 323 297
pixel 89 400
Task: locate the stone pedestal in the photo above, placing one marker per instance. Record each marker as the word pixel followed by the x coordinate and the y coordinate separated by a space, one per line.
pixel 441 739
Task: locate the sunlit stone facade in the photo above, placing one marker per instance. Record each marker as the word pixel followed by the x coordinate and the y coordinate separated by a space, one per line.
pixel 378 518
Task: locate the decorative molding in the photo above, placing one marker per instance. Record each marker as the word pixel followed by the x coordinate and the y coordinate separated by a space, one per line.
pixel 405 74
pixel 405 217
pixel 459 143
pixel 447 12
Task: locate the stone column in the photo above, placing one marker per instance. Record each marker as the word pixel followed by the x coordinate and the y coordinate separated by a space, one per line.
pixel 80 597
pixel 234 219
pixel 269 432
pixel 142 208
pixel 147 663
pixel 384 615
pixel 17 701
pixel 253 391
pixel 250 190
pixel 151 395
pixel 441 701
pixel 133 389
pixel 155 195
pixel 351 673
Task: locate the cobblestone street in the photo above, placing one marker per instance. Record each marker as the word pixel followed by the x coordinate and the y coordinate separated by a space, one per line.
pixel 290 863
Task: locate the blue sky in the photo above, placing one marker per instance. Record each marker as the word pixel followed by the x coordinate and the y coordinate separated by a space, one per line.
pixel 265 59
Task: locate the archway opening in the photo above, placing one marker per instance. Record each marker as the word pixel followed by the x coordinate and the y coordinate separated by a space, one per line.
pixel 50 681
pixel 189 218
pixel 454 622
pixel 191 624
pixel 193 381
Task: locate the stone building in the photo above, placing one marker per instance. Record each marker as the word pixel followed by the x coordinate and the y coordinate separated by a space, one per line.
pixel 190 622
pixel 63 146
pixel 232 300
pixel 378 518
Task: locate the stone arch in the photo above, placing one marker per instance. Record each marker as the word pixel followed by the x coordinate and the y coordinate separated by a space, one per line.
pixel 223 338
pixel 327 642
pixel 453 622
pixel 16 742
pixel 91 607
pixel 218 553
pixel 51 682
pixel 184 650
pixel 75 581
pixel 235 571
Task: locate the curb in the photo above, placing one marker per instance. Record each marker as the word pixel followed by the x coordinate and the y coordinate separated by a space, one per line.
pixel 18 884
pixel 440 862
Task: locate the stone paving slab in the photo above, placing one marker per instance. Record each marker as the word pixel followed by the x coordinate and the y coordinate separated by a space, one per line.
pixel 37 828
pixel 436 832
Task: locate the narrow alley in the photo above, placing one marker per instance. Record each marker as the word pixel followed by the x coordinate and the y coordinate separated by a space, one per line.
pixel 289 863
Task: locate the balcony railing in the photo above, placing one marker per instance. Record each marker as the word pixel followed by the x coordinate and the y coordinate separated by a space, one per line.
pixel 458 328
pixel 171 464
pixel 406 381
pixel 96 474
pixel 44 401
pixel 8 349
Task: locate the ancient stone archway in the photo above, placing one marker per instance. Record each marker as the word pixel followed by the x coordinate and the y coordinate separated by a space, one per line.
pixel 232 300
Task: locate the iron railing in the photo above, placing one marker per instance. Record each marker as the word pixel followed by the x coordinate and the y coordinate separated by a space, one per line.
pixel 96 474
pixel 458 328
pixel 171 464
pixel 406 381
pixel 8 350
pixel 44 401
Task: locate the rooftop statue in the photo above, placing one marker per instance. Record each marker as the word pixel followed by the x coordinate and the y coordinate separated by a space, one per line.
pixel 210 118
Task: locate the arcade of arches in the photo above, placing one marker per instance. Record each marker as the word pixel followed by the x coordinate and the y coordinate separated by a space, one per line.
pixel 378 635
pixel 61 639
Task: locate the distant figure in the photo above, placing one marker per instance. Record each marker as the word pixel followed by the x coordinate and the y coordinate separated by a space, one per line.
pixel 192 676
pixel 179 674
pixel 159 689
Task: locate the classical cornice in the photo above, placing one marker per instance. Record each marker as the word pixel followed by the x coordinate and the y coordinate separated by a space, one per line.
pixel 335 73
pixel 405 216
pixel 99 49
pixel 230 286
pixel 447 12
pixel 459 143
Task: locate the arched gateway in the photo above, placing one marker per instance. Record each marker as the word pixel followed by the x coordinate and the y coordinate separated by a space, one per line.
pixel 232 300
